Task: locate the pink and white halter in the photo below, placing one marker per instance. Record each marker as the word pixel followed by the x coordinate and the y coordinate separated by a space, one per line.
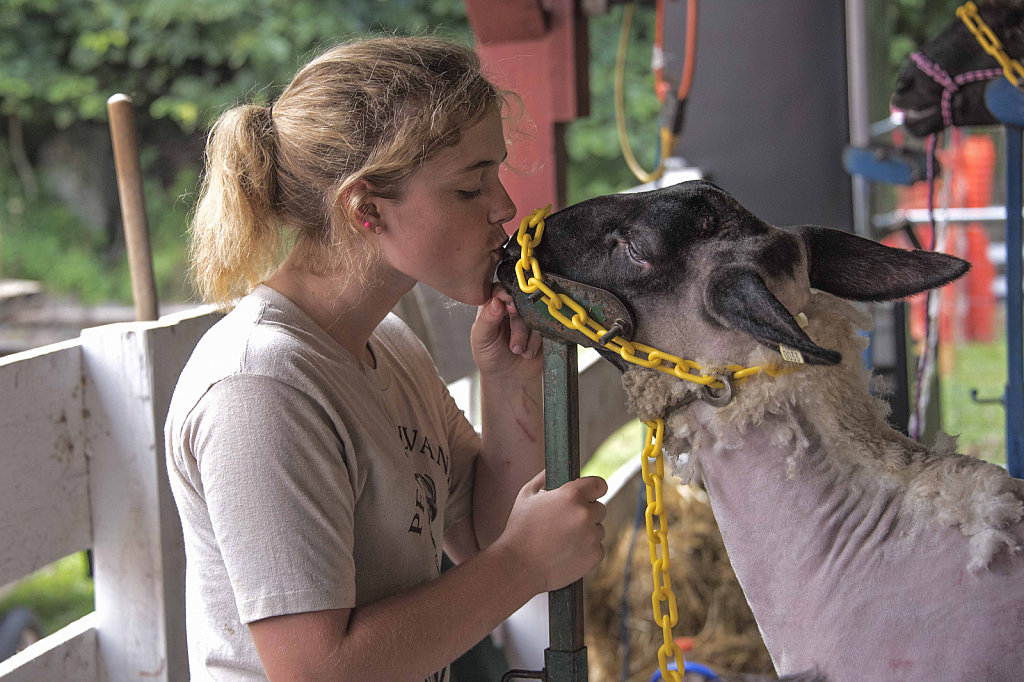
pixel 951 85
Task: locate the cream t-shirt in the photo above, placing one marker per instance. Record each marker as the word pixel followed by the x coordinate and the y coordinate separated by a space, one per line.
pixel 306 480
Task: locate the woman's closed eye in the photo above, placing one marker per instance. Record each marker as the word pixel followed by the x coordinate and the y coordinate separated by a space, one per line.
pixel 469 194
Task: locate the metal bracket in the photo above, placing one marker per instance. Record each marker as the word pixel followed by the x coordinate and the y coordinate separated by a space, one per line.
pixel 525 675
pixel 986 401
pixel 602 306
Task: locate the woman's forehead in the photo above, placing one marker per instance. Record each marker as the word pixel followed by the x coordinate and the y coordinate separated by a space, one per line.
pixel 480 146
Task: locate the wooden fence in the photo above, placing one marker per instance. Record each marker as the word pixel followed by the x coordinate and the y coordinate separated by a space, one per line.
pixel 82 466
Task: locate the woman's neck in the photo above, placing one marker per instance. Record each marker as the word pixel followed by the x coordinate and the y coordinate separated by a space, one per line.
pixel 347 307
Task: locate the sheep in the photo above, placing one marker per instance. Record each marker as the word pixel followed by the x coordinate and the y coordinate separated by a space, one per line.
pixel 956 51
pixel 863 554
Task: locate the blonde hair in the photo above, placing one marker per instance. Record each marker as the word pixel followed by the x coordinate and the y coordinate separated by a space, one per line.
pixel 369 111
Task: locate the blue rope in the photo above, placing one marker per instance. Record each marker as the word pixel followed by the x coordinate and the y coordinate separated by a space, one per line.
pixel 688 667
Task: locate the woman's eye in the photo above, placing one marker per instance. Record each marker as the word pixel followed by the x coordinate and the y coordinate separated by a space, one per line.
pixel 633 254
pixel 466 194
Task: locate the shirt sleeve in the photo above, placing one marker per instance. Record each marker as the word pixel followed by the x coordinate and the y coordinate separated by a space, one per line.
pixel 278 487
pixel 464 442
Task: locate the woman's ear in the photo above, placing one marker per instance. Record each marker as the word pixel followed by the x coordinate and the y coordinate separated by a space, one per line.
pixel 355 203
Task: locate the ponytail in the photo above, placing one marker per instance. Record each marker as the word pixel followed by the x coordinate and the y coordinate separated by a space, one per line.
pixel 235 241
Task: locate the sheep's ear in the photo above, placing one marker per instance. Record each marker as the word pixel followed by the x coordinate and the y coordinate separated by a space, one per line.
pixel 738 298
pixel 859 269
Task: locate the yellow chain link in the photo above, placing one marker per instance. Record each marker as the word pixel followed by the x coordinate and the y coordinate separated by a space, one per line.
pixel 657 541
pixel 652 357
pixel 1012 69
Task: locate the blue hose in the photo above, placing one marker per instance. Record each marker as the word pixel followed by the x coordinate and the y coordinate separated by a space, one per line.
pixel 688 667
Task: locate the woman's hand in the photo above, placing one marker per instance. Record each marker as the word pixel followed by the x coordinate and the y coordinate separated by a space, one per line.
pixel 503 346
pixel 556 534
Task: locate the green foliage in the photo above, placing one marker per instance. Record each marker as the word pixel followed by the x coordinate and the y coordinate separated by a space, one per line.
pixel 42 239
pixel 58 594
pixel 595 161
pixel 184 60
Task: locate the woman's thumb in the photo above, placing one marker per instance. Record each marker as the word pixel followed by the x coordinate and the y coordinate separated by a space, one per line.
pixel 535 484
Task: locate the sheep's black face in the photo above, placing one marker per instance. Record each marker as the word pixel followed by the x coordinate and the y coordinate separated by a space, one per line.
pixel 708 279
pixel 957 51
pixel 645 245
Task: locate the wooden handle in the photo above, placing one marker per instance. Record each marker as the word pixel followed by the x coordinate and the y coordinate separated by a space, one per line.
pixel 133 205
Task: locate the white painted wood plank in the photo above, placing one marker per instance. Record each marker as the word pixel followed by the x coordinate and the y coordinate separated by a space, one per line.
pixel 130 371
pixel 44 491
pixel 68 655
pixel 172 346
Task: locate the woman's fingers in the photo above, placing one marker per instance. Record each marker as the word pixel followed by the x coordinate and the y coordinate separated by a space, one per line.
pixel 519 335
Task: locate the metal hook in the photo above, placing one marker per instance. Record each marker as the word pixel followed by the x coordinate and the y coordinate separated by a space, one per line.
pixel 718 399
pixel 985 401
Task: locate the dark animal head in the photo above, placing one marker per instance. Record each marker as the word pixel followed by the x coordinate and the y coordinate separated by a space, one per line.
pixel 957 51
pixel 708 279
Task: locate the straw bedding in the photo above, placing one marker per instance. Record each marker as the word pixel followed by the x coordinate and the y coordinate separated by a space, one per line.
pixel 713 612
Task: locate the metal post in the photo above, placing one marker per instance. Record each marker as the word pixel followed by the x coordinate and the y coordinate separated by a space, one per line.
pixel 566 657
pixel 857 95
pixel 1014 346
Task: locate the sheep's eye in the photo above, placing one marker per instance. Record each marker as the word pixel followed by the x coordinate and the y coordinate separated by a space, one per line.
pixel 631 250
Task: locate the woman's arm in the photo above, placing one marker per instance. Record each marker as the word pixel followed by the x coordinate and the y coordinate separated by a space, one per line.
pixel 511 403
pixel 551 539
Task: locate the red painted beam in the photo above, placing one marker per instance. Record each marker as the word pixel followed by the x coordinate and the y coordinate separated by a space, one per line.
pixel 505 20
pixel 550 73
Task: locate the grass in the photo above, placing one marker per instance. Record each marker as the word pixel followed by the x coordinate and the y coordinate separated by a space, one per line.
pixel 982 428
pixel 57 594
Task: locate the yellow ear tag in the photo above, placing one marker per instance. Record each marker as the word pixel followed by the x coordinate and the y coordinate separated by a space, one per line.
pixel 801 320
pixel 791 354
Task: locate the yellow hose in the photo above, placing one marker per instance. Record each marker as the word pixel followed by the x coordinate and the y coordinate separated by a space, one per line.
pixel 667 139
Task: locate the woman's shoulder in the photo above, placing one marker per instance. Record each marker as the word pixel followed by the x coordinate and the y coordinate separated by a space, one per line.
pixel 263 336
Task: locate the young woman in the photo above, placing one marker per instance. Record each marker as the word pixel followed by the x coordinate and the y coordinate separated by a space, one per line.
pixel 318 463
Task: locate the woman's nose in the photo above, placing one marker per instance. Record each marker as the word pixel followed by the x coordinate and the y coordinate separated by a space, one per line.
pixel 504 210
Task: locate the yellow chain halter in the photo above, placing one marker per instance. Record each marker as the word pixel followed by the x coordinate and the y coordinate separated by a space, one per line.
pixel 1012 69
pixel 657 539
pixel 581 321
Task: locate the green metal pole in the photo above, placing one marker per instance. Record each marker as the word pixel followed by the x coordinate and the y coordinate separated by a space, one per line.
pixel 566 657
